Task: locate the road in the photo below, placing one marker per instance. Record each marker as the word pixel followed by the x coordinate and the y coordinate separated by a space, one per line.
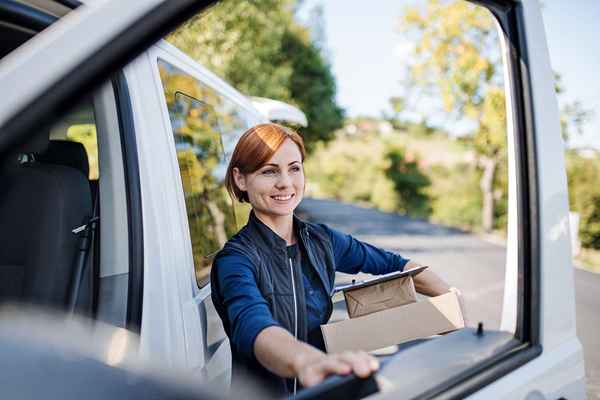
pixel 464 260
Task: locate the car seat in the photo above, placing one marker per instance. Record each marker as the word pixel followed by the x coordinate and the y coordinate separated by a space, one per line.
pixel 45 195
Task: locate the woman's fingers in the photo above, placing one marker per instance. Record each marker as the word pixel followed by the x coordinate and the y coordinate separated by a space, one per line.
pixel 318 371
pixel 361 363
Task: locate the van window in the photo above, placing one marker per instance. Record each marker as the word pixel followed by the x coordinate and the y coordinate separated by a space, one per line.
pixel 205 128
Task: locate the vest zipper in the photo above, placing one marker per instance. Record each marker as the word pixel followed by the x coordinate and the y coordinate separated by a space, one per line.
pixel 295 311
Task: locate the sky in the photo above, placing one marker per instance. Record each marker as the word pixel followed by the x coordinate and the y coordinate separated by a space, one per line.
pixel 368 54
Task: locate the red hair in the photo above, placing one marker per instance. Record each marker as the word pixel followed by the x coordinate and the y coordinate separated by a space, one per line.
pixel 256 146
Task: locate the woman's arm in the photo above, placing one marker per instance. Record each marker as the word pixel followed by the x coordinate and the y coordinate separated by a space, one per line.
pixel 428 282
pixel 353 256
pixel 254 332
pixel 278 351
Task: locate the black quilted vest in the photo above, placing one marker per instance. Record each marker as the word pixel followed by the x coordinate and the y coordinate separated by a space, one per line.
pixel 277 281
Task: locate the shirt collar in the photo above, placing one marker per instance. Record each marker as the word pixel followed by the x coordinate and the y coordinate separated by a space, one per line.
pixel 268 235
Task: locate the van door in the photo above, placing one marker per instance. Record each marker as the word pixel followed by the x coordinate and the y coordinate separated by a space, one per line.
pixel 535 355
pixel 201 119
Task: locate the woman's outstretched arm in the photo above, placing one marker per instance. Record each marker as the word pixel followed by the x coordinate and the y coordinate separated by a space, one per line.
pixel 278 351
pixel 353 256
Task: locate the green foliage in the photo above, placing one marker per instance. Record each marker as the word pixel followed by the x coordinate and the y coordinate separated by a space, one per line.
pixel 455 195
pixel 421 129
pixel 365 169
pixel 312 88
pixel 258 48
pixel 501 197
pixel 196 129
pixel 428 176
pixel 409 182
pixel 351 170
pixel 238 41
pixel 457 61
pixel 584 197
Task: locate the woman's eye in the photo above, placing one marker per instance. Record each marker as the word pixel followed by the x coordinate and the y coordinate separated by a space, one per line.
pixel 269 172
pixel 295 168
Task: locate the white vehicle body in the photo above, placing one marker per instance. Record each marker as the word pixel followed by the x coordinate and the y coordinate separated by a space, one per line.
pixel 176 313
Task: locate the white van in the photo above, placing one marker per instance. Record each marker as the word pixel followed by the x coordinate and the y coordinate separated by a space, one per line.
pixel 165 127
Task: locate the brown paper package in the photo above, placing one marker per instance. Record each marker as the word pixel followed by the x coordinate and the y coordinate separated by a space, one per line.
pixel 380 296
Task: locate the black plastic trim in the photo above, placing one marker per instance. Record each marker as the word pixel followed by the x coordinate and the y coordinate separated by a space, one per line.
pixel 135 292
pixel 25 16
pixel 73 4
pixel 340 387
pixel 98 68
pixel 510 18
pixel 530 191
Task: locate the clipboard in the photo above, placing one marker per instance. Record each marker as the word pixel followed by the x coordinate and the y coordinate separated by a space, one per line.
pixel 379 279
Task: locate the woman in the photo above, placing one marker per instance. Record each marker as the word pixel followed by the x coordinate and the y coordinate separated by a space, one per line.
pixel 272 281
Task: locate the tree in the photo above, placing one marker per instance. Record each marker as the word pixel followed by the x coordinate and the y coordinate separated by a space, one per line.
pixel 238 41
pixel 312 87
pixel 409 182
pixel 457 60
pixel 259 48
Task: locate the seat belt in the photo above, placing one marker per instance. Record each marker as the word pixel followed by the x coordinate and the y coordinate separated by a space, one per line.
pixel 86 234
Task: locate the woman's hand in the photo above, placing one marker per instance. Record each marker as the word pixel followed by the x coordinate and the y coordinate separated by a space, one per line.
pixel 278 351
pixel 312 370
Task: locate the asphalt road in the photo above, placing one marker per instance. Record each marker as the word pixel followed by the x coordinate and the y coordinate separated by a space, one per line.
pixel 466 261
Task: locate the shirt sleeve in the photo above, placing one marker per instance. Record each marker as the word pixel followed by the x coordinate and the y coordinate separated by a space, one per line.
pixel 353 256
pixel 246 308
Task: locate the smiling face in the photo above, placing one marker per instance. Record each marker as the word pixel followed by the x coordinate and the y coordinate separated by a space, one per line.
pixel 277 187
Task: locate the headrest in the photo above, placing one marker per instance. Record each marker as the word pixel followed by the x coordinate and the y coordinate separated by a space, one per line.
pixel 64 152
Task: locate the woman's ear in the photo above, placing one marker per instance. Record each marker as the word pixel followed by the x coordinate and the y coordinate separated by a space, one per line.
pixel 239 179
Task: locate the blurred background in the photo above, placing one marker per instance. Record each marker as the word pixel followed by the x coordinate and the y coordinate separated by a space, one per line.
pixel 416 86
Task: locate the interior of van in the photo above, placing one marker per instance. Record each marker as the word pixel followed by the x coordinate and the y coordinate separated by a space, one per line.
pixel 51 214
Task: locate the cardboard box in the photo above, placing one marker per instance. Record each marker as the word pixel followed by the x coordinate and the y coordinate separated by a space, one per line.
pixel 394 325
pixel 380 293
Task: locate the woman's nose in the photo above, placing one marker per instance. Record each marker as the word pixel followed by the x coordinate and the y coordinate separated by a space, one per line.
pixel 284 180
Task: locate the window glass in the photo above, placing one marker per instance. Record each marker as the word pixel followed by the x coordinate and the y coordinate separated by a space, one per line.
pixel 205 127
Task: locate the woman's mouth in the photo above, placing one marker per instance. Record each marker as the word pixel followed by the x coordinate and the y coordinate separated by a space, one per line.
pixel 283 198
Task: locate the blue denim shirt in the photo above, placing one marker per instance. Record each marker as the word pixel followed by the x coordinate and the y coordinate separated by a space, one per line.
pixel 248 311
